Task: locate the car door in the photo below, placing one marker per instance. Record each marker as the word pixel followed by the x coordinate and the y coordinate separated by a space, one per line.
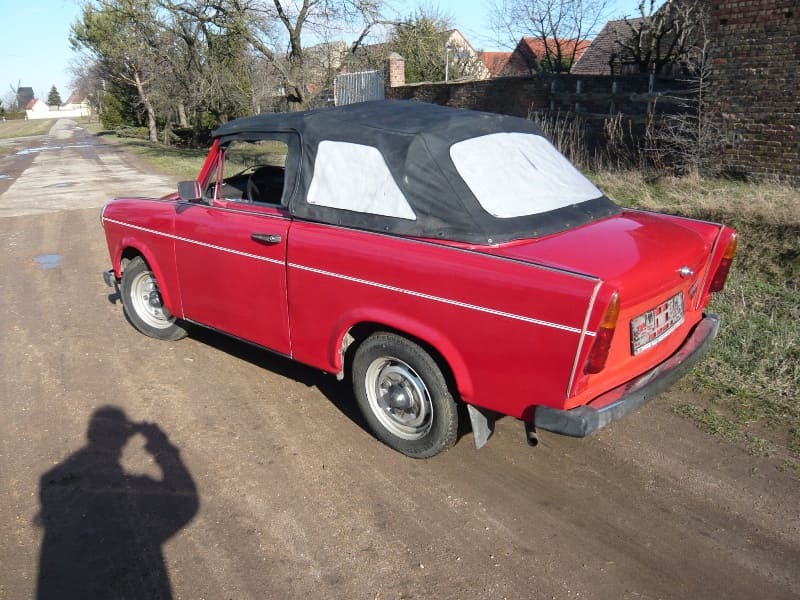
pixel 230 250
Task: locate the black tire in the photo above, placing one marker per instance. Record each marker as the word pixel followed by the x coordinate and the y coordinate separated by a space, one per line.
pixel 403 396
pixel 141 300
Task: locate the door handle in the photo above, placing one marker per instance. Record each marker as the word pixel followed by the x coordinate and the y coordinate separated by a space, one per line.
pixel 266 238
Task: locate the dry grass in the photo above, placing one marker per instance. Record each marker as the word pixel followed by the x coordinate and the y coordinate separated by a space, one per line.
pixel 759 202
pixel 751 379
pixel 182 163
pixel 22 128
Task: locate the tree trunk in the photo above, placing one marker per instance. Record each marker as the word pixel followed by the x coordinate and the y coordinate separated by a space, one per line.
pixel 148 106
pixel 167 132
pixel 182 120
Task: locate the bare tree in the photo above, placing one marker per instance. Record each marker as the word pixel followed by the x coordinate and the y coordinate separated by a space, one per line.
pixel 658 40
pixel 689 141
pixel 210 60
pixel 562 27
pixel 10 99
pixel 278 32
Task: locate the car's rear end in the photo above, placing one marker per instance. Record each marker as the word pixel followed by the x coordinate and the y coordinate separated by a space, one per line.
pixel 646 325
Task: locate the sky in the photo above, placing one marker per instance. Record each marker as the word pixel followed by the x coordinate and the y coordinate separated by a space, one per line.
pixel 35 51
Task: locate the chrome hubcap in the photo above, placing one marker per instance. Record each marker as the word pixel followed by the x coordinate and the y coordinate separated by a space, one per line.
pixel 399 398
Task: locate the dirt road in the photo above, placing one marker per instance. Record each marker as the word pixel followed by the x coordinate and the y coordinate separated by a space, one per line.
pixel 265 484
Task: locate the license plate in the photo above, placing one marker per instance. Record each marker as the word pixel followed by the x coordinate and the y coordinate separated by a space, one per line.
pixel 652 327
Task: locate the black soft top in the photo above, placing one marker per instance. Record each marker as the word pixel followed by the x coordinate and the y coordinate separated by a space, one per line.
pixel 414 139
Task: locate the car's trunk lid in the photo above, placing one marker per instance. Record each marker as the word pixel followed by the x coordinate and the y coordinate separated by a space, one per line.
pixel 642 254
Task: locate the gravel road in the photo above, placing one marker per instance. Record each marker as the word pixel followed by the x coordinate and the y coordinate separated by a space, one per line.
pixel 209 469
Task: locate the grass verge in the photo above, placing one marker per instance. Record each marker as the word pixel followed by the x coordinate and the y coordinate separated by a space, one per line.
pixel 22 128
pixel 750 382
pixel 181 163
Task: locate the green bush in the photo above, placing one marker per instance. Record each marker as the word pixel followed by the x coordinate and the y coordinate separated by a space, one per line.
pixel 117 107
pixel 139 133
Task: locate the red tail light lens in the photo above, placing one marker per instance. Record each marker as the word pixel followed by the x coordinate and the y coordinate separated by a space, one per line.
pixel 602 341
pixel 721 276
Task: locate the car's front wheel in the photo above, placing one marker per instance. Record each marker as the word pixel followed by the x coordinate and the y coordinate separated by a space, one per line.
pixel 143 304
pixel 404 396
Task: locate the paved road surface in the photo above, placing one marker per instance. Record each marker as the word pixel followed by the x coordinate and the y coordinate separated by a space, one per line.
pixel 252 477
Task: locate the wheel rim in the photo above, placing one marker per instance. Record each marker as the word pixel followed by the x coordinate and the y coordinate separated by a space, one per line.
pixel 399 398
pixel 148 303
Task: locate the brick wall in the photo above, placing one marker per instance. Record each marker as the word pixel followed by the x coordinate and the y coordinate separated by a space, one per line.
pixel 598 95
pixel 755 88
pixel 510 95
pixel 756 84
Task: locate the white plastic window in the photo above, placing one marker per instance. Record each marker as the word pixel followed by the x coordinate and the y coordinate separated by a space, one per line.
pixel 518 174
pixel 355 177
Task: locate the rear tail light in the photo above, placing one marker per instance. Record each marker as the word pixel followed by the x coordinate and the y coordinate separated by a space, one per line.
pixel 718 282
pixel 602 341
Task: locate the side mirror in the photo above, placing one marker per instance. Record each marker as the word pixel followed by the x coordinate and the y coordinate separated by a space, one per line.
pixel 189 191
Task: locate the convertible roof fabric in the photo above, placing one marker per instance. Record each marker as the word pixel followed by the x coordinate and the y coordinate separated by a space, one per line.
pixel 415 140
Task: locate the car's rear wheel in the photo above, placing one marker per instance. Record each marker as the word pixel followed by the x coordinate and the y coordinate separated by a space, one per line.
pixel 143 304
pixel 404 396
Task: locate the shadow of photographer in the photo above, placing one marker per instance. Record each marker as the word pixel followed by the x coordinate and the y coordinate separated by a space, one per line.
pixel 104 528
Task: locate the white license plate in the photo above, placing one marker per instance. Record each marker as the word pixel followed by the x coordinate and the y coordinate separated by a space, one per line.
pixel 652 327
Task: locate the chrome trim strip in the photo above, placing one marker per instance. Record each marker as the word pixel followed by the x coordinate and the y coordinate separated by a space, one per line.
pixel 195 242
pixel 585 332
pixel 458 303
pixel 707 271
pixel 243 210
pixel 384 286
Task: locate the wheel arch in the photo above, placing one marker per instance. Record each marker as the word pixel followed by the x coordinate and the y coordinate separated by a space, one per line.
pixel 444 353
pixel 130 250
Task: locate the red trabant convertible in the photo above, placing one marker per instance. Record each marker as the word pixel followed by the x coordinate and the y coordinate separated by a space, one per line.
pixel 437 257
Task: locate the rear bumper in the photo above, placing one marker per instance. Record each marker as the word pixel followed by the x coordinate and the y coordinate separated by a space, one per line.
pixel 619 402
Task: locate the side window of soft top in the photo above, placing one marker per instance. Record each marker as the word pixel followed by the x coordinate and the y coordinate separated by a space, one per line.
pixel 260 170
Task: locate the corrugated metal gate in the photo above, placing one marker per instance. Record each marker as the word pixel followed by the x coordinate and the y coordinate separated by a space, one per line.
pixel 350 88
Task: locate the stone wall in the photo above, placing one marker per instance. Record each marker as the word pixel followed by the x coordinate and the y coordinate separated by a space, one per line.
pixel 755 87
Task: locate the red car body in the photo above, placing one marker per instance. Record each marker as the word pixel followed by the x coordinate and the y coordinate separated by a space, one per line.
pixel 536 328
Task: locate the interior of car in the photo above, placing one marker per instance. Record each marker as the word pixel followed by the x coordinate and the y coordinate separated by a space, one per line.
pixel 257 171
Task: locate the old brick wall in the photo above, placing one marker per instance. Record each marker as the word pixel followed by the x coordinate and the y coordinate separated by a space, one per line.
pixel 598 95
pixel 516 96
pixel 755 88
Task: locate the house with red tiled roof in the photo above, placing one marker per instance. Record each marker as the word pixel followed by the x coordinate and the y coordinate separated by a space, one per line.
pixel 530 56
pixel 496 63
pixel 35 108
pixel 75 101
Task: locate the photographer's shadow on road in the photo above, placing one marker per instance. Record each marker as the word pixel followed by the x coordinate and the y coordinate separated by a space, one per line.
pixel 104 528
